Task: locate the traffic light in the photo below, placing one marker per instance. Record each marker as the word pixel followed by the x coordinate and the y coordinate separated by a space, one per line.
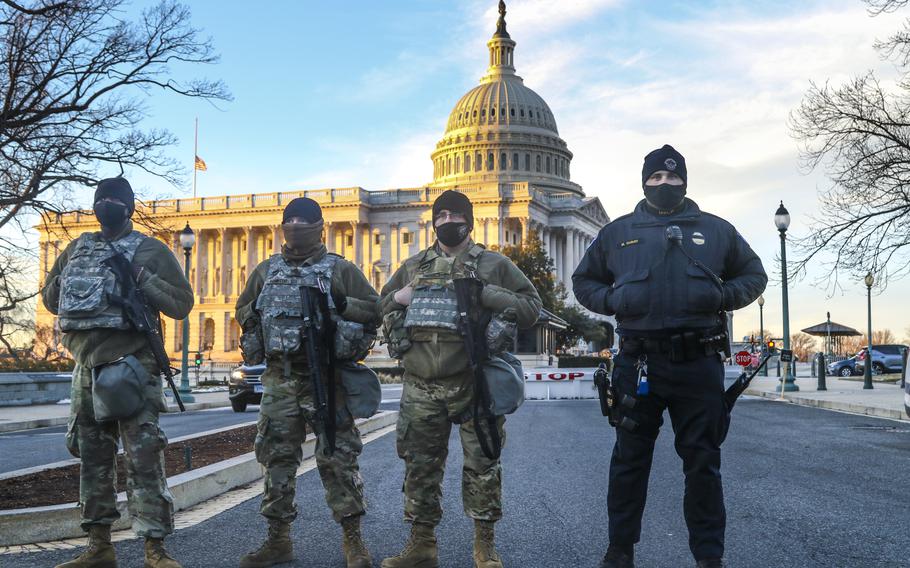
pixel 772 347
pixel 198 360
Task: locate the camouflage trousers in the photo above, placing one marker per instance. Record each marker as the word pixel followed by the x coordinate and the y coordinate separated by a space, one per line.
pixel 286 411
pixel 95 443
pixel 424 425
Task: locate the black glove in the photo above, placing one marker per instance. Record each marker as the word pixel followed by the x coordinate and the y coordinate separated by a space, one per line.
pixel 341 302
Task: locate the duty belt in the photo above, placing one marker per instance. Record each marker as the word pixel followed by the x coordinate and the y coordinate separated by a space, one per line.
pixel 678 347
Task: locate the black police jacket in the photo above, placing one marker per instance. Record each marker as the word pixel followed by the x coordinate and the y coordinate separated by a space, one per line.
pixel 634 271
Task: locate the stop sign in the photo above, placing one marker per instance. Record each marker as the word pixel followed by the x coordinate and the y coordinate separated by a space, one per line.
pixel 743 358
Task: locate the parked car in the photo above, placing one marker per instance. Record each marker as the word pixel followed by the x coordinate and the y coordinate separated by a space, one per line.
pixel 245 386
pixel 885 359
pixel 845 368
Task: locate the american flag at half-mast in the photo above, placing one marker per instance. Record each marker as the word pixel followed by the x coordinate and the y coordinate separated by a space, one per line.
pixel 200 164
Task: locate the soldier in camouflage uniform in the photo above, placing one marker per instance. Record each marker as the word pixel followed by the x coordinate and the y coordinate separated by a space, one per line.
pixel 78 290
pixel 287 404
pixel 419 319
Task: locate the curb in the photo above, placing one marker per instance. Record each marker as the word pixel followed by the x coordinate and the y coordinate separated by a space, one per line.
pixel 850 407
pixel 56 522
pixel 63 420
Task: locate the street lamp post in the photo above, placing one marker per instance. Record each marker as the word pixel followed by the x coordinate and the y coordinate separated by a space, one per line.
pixel 782 222
pixel 761 331
pixel 187 240
pixel 867 368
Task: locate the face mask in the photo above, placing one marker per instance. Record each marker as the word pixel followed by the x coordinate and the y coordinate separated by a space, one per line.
pixel 665 197
pixel 302 238
pixel 111 215
pixel 452 234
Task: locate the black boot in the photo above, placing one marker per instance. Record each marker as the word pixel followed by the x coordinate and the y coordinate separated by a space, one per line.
pixel 711 563
pixel 618 557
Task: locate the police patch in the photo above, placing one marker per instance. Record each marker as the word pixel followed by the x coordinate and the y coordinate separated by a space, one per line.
pixel 698 238
pixel 671 164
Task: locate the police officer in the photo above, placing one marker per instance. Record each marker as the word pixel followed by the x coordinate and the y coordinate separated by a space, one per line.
pixel 420 320
pixel 82 291
pixel 669 272
pixel 270 313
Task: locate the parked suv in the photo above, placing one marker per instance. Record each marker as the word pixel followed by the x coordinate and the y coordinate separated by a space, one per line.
pixel 885 359
pixel 845 368
pixel 245 386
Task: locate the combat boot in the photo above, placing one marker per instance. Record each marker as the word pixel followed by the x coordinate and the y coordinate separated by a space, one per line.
pixel 276 549
pixel 485 555
pixel 711 563
pixel 355 552
pixel 419 551
pixel 618 557
pixel 156 556
pixel 99 553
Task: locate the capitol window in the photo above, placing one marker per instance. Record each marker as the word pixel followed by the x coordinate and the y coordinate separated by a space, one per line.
pixel 522 113
pixel 490 161
pixel 527 162
pixel 457 164
pixel 483 112
pixel 515 161
pixel 512 111
pixel 467 163
pixel 548 164
pixel 492 112
pixel 538 162
pixel 406 238
pixel 502 161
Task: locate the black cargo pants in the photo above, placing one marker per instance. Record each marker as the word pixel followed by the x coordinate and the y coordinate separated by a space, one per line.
pixel 693 392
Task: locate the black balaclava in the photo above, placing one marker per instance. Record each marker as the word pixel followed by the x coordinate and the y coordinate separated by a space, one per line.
pixel 450 233
pixel 113 216
pixel 664 197
pixel 302 240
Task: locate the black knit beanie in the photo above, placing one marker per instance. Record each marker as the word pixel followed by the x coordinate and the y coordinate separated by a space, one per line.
pixel 665 158
pixel 303 207
pixel 117 188
pixel 455 202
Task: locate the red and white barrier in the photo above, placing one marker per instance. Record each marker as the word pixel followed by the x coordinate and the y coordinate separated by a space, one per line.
pixel 552 383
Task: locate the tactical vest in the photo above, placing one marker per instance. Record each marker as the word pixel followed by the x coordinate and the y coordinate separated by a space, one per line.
pixel 86 285
pixel 433 305
pixel 280 306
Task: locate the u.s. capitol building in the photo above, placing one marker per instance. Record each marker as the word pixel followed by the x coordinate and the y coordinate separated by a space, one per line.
pixel 501 147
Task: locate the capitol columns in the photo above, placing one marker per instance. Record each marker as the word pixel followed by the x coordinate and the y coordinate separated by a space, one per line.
pixel 201 243
pixel 422 234
pixel 251 252
pixel 225 261
pixel 276 239
pixel 356 256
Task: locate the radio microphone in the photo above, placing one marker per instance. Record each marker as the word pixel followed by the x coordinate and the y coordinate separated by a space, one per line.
pixel 674 234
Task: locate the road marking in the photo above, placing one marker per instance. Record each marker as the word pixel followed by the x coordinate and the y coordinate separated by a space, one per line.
pixel 188 517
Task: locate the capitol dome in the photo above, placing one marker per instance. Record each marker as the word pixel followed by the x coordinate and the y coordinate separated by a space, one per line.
pixel 502 130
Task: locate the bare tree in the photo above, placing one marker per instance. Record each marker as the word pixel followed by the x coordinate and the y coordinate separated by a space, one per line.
pixel 802 345
pixel 75 73
pixel 859 134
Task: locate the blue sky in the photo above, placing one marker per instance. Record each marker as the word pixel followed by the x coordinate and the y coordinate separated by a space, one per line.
pixel 332 94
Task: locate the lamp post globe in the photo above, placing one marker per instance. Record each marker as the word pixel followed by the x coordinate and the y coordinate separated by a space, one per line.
pixel 187 240
pixel 782 222
pixel 867 367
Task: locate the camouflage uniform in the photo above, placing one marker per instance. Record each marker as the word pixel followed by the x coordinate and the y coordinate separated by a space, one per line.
pixel 150 503
pixel 287 407
pixel 438 389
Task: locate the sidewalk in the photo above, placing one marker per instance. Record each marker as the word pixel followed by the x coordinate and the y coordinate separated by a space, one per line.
pixel 885 400
pixel 43 415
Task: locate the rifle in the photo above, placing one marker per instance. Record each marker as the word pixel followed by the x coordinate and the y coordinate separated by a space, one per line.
pixel 321 360
pixel 471 325
pixel 135 309
pixel 742 383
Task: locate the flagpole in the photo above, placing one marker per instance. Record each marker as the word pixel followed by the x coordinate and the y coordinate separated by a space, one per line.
pixel 195 154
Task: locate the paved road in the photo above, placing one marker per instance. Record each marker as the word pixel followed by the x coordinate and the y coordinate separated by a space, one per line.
pixel 805 488
pixel 29 448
